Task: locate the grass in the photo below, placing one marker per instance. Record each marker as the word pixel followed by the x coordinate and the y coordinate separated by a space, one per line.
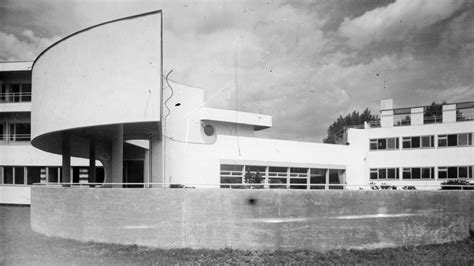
pixel 20 245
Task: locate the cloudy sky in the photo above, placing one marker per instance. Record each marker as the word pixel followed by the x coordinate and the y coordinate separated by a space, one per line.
pixel 303 62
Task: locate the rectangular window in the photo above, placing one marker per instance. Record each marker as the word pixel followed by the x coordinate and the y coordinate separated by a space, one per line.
pixel 373 144
pixel 19 175
pixel 392 143
pixel 452 172
pixel 442 172
pixel 374 174
pixel 7 175
pixel 463 139
pixel 415 173
pixel 382 144
pixel 426 173
pixel 317 178
pixel 33 175
pixel 406 143
pixel 415 142
pixel 383 173
pixel 442 140
pixel 462 172
pixel 406 173
pixel 426 141
pixel 392 173
pixel 452 140
pixel 231 174
pixel 277 177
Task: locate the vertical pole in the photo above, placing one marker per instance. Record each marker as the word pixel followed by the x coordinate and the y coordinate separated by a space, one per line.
pixel 25 175
pixel 66 163
pixel 288 177
pixel 47 174
pixel 308 178
pixel 117 155
pixel 266 177
pixel 92 173
pixel 327 179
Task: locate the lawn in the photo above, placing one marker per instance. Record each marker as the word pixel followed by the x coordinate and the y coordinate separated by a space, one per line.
pixel 20 245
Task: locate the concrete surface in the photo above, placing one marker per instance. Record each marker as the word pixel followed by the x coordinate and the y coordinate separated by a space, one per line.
pixel 252 219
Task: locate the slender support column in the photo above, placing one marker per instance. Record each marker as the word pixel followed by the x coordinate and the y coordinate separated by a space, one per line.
pixel 92 174
pixel 327 179
pixel 117 156
pixel 66 151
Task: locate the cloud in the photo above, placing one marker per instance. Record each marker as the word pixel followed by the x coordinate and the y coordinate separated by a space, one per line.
pixel 26 46
pixel 396 21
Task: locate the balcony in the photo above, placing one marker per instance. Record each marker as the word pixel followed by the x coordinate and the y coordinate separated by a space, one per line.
pixel 14 138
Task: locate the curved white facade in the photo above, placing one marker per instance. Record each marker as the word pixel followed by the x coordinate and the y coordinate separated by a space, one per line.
pixel 106 74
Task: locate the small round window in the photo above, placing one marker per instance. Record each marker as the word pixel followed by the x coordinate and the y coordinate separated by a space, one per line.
pixel 209 130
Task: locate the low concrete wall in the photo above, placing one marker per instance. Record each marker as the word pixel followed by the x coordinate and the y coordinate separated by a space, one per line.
pixel 11 194
pixel 252 219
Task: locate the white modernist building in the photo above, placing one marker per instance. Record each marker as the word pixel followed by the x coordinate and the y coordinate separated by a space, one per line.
pixel 99 98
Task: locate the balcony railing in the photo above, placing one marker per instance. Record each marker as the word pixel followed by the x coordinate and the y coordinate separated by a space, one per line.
pixel 6 138
pixel 15 97
pixel 433 119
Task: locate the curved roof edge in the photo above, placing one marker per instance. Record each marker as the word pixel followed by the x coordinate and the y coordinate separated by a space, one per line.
pixel 91 27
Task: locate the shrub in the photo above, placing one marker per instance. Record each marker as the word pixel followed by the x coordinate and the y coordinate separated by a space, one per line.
pixel 409 188
pixel 457 185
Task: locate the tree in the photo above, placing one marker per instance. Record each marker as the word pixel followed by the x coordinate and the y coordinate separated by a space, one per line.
pixel 336 129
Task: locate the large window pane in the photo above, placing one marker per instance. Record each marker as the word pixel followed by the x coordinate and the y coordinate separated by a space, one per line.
pixel 383 173
pixel 462 172
pixel 463 139
pixel 426 173
pixel 425 141
pixel 33 175
pixel 452 172
pixel 373 144
pixel 391 143
pixel 452 140
pixel 415 173
pixel 19 175
pixel 442 141
pixel 382 144
pixel 392 173
pixel 373 173
pixel 415 142
pixel 406 173
pixel 406 143
pixel 8 175
pixel 442 172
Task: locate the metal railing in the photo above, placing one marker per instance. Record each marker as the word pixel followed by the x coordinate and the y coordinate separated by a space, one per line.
pixel 15 97
pixel 6 138
pixel 269 186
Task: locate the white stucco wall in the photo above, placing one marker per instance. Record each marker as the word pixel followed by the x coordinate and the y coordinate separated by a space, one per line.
pixel 425 157
pixel 10 194
pixel 104 75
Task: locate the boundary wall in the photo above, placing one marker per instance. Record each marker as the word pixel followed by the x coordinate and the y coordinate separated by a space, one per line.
pixel 252 219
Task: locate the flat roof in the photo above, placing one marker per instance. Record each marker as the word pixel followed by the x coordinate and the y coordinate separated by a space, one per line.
pixel 259 121
pixel 16 66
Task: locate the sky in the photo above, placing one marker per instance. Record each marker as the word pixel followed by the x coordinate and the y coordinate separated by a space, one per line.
pixel 303 62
